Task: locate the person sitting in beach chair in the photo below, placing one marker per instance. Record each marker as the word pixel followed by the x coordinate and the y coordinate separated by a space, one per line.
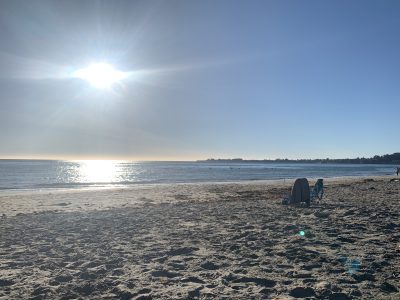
pixel 300 193
pixel 318 190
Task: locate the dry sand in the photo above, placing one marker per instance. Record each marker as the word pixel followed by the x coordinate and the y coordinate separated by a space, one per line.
pixel 206 241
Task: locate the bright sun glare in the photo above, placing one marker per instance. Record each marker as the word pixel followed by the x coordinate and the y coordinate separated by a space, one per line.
pixel 100 75
pixel 98 171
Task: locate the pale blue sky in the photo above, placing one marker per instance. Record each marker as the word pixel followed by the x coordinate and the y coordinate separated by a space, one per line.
pixel 251 79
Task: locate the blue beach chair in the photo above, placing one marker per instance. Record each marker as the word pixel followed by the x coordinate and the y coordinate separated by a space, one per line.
pixel 318 190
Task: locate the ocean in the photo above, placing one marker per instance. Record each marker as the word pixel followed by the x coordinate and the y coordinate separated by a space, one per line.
pixel 50 174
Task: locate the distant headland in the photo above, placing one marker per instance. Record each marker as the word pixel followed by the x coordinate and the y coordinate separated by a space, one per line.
pixel 384 159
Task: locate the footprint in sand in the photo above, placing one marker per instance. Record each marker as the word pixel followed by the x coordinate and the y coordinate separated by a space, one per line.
pixel 5 282
pixel 209 266
pixel 165 273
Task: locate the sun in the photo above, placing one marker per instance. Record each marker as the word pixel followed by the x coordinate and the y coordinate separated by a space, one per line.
pixel 100 75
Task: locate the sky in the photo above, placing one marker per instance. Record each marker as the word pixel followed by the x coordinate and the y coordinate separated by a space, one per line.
pixel 222 79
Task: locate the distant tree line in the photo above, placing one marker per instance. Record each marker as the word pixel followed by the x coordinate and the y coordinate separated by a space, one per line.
pixel 384 159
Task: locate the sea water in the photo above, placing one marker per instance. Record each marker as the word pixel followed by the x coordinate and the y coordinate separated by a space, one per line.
pixel 47 174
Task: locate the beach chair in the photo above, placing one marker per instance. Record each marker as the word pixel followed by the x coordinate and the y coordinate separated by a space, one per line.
pixel 318 190
pixel 300 193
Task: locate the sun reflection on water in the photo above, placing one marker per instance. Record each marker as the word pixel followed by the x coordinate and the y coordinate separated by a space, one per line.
pixel 99 171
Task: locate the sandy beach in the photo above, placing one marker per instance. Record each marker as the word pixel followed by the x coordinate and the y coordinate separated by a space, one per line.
pixel 202 241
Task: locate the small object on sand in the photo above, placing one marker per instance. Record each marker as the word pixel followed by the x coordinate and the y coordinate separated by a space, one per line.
pixel 286 200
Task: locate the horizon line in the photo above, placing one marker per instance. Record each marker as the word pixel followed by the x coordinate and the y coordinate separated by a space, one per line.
pixel 171 159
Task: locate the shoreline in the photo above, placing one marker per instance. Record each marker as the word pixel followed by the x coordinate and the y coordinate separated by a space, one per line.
pixel 117 186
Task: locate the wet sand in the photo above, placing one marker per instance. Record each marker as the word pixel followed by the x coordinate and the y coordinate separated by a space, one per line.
pixel 202 241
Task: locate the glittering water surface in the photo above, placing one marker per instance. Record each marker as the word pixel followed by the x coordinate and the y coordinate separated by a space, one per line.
pixel 40 174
